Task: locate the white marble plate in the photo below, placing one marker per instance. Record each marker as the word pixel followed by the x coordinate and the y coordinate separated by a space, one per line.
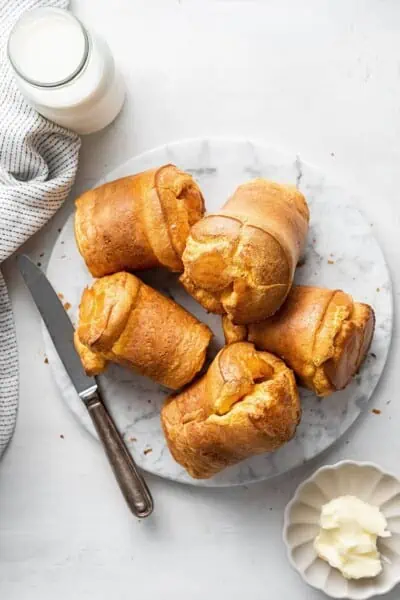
pixel 342 253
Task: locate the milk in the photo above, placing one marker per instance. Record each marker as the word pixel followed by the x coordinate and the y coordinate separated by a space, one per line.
pixel 66 72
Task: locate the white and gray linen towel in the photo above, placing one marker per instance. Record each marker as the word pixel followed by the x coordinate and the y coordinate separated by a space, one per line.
pixel 38 163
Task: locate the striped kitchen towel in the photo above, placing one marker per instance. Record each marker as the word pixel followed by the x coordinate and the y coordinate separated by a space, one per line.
pixel 38 163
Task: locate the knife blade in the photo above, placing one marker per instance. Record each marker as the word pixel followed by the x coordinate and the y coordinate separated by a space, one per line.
pixel 57 322
pixel 61 331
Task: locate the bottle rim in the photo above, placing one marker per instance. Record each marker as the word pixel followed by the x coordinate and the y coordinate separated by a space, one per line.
pixel 79 68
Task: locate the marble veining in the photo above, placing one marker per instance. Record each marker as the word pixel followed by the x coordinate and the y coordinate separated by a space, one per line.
pixel 341 253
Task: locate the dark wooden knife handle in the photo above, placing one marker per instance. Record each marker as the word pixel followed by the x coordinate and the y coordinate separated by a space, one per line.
pixel 132 484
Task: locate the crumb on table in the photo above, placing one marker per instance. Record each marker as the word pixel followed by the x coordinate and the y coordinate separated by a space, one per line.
pixel 61 296
pixel 46 361
pixel 132 439
pixel 378 289
pixel 62 436
pixel 147 450
pixel 331 262
pixel 67 305
pixel 376 411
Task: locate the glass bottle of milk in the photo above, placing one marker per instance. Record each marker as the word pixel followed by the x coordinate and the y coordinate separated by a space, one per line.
pixel 66 72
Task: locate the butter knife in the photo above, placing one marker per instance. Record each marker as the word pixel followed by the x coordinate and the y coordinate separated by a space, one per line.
pixel 59 326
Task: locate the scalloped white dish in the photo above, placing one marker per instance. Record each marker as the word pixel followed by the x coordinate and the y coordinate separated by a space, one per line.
pixel 368 482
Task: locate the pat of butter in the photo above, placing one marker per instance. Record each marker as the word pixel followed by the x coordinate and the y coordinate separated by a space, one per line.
pixel 347 538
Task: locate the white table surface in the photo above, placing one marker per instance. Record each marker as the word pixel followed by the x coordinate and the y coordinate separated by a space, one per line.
pixel 317 77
